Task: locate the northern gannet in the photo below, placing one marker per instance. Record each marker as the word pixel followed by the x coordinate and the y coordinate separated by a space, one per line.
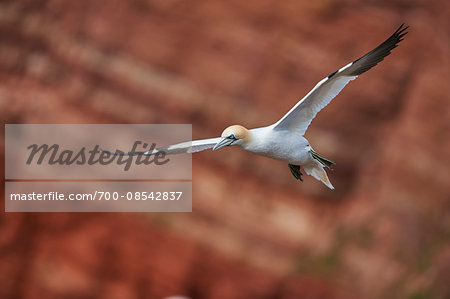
pixel 284 140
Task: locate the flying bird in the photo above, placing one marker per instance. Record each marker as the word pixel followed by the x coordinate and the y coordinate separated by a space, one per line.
pixel 284 140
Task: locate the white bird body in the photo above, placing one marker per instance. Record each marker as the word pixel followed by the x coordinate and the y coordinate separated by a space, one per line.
pixel 283 145
pixel 285 139
pixel 286 146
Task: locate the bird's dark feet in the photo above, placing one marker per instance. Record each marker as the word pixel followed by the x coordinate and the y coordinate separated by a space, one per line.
pixel 322 160
pixel 295 170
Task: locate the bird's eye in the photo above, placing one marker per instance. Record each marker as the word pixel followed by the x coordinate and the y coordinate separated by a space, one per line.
pixel 232 137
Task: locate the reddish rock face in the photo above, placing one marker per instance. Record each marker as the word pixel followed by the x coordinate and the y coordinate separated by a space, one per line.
pixel 254 232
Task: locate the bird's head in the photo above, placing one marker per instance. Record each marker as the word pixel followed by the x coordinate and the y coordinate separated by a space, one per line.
pixel 233 135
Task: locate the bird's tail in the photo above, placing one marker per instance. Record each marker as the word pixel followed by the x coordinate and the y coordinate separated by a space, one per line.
pixel 316 170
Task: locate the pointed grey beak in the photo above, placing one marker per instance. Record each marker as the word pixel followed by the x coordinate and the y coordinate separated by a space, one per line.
pixel 224 142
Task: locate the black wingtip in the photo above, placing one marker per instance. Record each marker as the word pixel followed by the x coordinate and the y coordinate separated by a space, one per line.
pixel 379 53
pixel 402 27
pixel 401 31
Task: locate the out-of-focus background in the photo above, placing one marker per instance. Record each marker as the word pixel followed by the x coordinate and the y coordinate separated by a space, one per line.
pixel 255 232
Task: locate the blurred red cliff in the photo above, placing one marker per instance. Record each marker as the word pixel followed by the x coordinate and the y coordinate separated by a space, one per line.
pixel 255 232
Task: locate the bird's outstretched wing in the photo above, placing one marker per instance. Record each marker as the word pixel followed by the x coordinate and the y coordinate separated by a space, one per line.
pixel 301 115
pixel 187 147
pixel 190 146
